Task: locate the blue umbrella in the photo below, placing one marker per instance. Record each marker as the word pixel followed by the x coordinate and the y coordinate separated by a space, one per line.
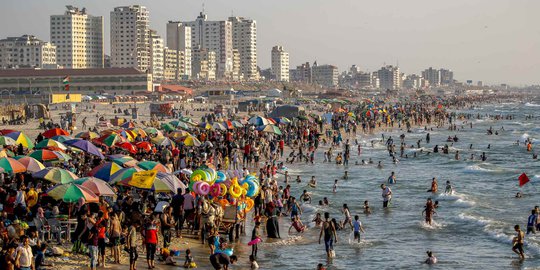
pixel 86 146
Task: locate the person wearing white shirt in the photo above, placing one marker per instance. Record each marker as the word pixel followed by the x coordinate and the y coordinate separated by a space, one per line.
pixel 24 257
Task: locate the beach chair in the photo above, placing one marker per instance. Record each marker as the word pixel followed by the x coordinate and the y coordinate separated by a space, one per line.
pixel 57 229
pixel 43 229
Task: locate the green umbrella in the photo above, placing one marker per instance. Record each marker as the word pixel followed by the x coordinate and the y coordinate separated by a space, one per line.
pixel 7 141
pixel 167 127
pixel 123 174
pixel 55 175
pixel 72 193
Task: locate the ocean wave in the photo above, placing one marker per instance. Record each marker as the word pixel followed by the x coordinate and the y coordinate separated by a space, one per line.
pixel 528 104
pixel 283 242
pixel 434 225
pixel 458 199
pixel 476 169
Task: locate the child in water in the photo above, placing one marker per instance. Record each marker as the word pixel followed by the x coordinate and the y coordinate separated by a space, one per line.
pixel 346 175
pixel 449 189
pixel 297 224
pixel 334 189
pixel 189 263
pixel 318 220
pixel 367 209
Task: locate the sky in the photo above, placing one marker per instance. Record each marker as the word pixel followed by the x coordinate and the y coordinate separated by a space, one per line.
pixel 494 41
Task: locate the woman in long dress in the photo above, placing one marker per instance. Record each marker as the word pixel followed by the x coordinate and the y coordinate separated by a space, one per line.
pixel 272 225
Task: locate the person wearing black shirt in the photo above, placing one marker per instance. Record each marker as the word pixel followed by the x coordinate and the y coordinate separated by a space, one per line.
pixel 221 261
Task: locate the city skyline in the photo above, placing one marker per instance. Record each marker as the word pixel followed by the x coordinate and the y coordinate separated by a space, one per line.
pixel 487 41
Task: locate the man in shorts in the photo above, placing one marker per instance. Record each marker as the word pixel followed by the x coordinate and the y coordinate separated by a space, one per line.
pixel 357 226
pixel 531 222
pixel 518 242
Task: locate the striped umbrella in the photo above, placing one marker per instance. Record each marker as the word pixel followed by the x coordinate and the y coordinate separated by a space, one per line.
pixel 86 146
pixel 50 144
pixel 128 147
pixel 123 174
pixel 125 161
pixel 258 121
pixel 218 126
pixel 62 138
pixel 46 155
pixel 178 134
pixel 55 175
pixel 140 132
pixel 11 166
pixel 151 165
pixel 72 193
pixel 105 171
pixel 88 135
pixel 192 141
pixel 21 138
pixel 163 141
pixel 110 140
pixel 167 127
pixel 146 146
pixel 98 186
pixel 54 132
pixel 7 141
pixel 32 165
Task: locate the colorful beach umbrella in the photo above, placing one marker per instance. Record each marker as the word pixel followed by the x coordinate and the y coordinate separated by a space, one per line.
pixel 128 147
pixel 62 138
pixel 270 129
pixel 105 170
pixel 123 174
pixel 167 127
pixel 45 155
pixel 125 161
pixel 146 146
pixel 205 125
pixel 98 186
pixel 218 126
pixel 54 132
pixel 163 141
pixel 153 165
pixel 21 138
pixel 179 124
pixel 86 146
pixel 178 134
pixel 109 140
pixel 192 141
pixel 6 131
pixel 128 124
pixel 50 144
pixel 140 132
pixel 32 165
pixel 4 140
pixel 162 182
pixel 55 175
pixel 127 134
pixel 258 121
pixel 152 131
pixel 11 165
pixel 237 124
pixel 87 135
pixel 188 121
pixel 72 193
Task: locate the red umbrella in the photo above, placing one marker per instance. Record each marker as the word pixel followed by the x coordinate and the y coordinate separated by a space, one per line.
pixel 55 132
pixel 128 147
pixel 6 131
pixel 146 146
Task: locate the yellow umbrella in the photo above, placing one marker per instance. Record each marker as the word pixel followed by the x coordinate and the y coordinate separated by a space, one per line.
pixel 191 141
pixel 178 134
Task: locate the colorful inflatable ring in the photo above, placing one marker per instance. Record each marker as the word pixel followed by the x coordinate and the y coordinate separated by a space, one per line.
pixel 224 202
pixel 235 190
pixel 255 241
pixel 199 175
pixel 215 190
pixel 221 177
pixel 195 186
pixel 204 188
pixel 223 189
pixel 249 204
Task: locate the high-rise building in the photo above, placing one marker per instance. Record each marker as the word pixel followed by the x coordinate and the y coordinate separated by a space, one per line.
pixel 280 64
pixel 156 56
pixel 433 76
pixel 215 36
pixel 26 51
pixel 325 75
pixel 170 64
pixel 236 74
pixel 447 77
pixel 179 39
pixel 389 78
pixel 78 38
pixel 414 81
pixel 244 39
pixel 302 73
pixel 130 37
pixel 204 64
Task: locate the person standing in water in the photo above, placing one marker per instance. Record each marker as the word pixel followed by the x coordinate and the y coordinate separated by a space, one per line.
pixel 392 178
pixel 329 232
pixel 449 189
pixel 429 210
pixel 518 242
pixel 357 227
pixel 434 185
pixel 386 194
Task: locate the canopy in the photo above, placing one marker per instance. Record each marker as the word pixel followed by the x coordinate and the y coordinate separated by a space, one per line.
pixel 55 175
pixel 51 144
pixel 72 193
pixel 4 140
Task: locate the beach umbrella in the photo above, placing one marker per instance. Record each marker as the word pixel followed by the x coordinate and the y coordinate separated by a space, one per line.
pixel 11 165
pixel 191 141
pixel 168 177
pixel 86 146
pixel 177 134
pixel 188 120
pixel 167 127
pixel 62 138
pixel 105 171
pixel 218 126
pixel 54 132
pixel 72 193
pixel 125 161
pixel 153 165
pixel 6 131
pixel 146 146
pixel 160 206
pixel 271 121
pixel 205 125
pixel 46 155
pixel 62 156
pixel 128 147
pixel 128 135
pixel 228 124
pixel 123 174
pixel 88 135
pixel 258 121
pixel 284 120
pixel 21 138
pixel 7 141
pixel 98 186
pixel 32 165
pixel 3 153
pixel 128 125
pixel 51 144
pixel 237 124
pixel 153 131
pixel 179 124
pixel 140 132
pixel 55 175
pixel 163 141
pixel 110 140
pixel 270 129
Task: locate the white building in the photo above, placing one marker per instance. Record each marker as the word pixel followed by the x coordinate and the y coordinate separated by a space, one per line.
pixel 244 39
pixel 204 64
pixel 130 37
pixel 325 75
pixel 179 39
pixel 78 38
pixel 215 36
pixel 156 56
pixel 433 76
pixel 280 64
pixel 26 51
pixel 389 78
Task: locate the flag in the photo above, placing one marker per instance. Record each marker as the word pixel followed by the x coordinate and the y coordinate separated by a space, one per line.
pixel 144 179
pixel 523 179
pixel 65 81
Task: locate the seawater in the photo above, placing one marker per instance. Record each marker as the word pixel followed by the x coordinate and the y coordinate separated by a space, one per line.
pixel 473 228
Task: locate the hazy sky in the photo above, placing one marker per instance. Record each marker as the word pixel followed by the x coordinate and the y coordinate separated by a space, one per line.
pixel 495 41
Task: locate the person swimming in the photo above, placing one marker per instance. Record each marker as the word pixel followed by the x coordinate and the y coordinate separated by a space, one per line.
pixel 312 182
pixel 346 175
pixel 449 189
pixel 367 209
pixel 430 259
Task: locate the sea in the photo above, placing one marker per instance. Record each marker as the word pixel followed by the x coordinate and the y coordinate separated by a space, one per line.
pixel 473 228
